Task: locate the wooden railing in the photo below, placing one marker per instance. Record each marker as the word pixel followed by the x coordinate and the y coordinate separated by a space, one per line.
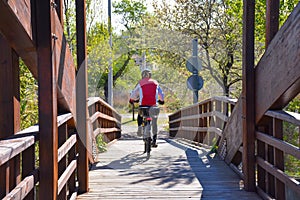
pixel 202 122
pixel 22 148
pixel 273 149
pixel 104 121
pixel 206 120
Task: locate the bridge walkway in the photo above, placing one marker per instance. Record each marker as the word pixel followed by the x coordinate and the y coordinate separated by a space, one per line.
pixel 175 170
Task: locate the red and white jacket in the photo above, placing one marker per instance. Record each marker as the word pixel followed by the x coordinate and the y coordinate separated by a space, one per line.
pixel 148 92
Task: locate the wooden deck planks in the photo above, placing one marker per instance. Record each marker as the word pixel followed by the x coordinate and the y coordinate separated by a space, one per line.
pixel 175 170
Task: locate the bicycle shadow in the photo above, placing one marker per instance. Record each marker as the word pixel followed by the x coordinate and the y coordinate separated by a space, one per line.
pixel 126 162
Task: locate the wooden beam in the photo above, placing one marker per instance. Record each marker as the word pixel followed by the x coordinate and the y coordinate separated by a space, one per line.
pixel 277 74
pixel 18 26
pixel 47 102
pixel 248 96
pixel 10 103
pixel 15 25
pixel 9 91
pixel 81 96
pixel 65 69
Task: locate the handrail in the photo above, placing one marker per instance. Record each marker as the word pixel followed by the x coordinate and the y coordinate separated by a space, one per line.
pixel 24 187
pixel 203 121
pixel 271 160
pixel 11 147
pixel 104 120
pixel 202 118
pixel 23 142
pixel 65 148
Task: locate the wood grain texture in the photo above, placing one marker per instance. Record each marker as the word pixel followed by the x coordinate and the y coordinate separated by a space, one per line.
pixel 175 170
pixel 232 134
pixel 17 26
pixel 278 72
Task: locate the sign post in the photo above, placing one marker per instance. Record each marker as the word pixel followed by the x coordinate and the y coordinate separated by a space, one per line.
pixel 193 64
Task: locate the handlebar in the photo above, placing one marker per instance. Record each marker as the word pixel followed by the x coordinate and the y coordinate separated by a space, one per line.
pixel 161 102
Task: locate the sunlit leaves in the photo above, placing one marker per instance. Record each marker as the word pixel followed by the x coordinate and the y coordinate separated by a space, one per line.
pixel 28 97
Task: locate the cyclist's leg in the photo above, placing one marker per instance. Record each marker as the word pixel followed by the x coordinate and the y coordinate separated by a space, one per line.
pixel 139 121
pixel 154 128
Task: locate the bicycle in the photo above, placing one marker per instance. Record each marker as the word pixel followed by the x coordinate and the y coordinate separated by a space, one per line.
pixel 147 114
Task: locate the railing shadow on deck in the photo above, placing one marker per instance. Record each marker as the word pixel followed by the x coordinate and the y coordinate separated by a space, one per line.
pixel 179 164
pixel 195 123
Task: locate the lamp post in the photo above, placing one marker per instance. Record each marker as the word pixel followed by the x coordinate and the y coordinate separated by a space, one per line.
pixel 110 73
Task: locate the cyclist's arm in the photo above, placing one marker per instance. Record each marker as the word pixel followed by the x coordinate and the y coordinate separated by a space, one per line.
pixel 161 94
pixel 134 96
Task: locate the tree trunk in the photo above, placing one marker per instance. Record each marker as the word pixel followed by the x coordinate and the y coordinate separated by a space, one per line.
pixel 117 74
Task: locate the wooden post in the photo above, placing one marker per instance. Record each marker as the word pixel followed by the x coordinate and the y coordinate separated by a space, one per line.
pixel 248 96
pixel 9 110
pixel 270 180
pixel 47 103
pixel 272 20
pixel 81 96
pixel 28 166
pixel 62 165
pixel 261 172
pixel 278 158
pixel 72 180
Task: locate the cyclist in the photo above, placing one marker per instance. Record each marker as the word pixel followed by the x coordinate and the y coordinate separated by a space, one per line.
pixel 148 93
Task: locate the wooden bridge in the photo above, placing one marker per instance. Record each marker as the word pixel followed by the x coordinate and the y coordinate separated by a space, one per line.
pixel 249 132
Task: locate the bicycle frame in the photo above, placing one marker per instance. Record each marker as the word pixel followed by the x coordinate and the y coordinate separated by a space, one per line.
pixel 148 113
pixel 146 128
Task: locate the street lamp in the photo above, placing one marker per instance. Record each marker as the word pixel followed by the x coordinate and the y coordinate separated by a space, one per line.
pixel 110 73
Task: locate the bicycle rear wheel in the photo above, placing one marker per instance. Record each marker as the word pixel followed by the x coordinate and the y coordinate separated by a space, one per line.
pixel 147 137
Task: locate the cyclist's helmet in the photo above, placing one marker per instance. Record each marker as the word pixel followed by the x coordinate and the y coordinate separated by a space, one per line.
pixel 146 73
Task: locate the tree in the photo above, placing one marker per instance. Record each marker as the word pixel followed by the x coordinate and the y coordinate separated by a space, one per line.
pixel 132 14
pixel 218 30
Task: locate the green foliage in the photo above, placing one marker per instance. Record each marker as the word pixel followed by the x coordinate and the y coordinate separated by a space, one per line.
pixel 132 12
pixel 101 144
pixel 70 25
pixel 98 58
pixel 294 105
pixel 291 135
pixel 172 103
pixel 28 96
pixel 286 7
pixel 218 27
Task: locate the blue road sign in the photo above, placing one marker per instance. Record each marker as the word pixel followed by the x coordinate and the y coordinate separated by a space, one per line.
pixel 195 82
pixel 193 64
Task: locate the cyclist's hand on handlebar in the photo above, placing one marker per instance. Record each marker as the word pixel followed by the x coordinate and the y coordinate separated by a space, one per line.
pixel 131 101
pixel 161 102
